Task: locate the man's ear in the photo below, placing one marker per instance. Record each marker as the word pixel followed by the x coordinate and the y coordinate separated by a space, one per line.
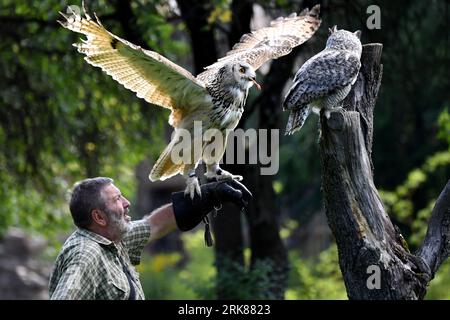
pixel 357 33
pixel 99 217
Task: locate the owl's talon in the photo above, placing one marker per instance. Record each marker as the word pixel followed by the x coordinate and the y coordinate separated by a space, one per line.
pixel 192 187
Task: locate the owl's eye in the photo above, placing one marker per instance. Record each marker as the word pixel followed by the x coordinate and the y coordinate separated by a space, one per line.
pixel 242 70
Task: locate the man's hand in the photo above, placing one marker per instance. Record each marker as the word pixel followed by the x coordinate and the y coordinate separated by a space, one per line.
pixel 189 213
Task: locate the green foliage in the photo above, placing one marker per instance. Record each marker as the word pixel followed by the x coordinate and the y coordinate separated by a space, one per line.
pixel 160 278
pixel 62 120
pixel 220 12
pixel 444 126
pixel 244 283
pixel 199 273
pixel 32 210
pixel 412 201
pixel 316 279
pixel 439 286
pixel 163 277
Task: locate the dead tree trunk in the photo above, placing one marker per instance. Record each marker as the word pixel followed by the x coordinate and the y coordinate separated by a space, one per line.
pixel 370 247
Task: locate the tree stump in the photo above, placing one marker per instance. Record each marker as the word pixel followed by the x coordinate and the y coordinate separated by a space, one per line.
pixel 368 243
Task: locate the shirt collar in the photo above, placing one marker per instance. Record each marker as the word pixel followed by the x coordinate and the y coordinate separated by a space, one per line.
pixel 96 237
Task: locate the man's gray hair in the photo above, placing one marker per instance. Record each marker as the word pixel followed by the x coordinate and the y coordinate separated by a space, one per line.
pixel 86 196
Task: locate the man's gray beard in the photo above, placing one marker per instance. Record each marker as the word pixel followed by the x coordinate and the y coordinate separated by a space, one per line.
pixel 118 225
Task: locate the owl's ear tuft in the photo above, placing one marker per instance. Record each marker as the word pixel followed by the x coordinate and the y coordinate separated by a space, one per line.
pixel 334 29
pixel 357 33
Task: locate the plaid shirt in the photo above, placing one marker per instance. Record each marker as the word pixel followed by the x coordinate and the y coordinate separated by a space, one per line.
pixel 88 266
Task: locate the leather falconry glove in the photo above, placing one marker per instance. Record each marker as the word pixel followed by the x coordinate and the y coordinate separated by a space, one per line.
pixel 190 212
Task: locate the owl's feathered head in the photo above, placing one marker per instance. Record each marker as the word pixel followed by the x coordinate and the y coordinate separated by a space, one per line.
pixel 240 73
pixel 344 40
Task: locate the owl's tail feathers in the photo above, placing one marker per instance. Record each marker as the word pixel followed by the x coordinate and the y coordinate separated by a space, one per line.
pixel 297 118
pixel 165 167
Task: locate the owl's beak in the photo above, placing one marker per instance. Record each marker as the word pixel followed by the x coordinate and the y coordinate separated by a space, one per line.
pixel 258 86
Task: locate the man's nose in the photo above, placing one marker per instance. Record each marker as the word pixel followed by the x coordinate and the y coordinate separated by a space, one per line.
pixel 125 202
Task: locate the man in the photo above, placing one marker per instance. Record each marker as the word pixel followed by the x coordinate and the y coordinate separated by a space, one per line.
pixel 96 260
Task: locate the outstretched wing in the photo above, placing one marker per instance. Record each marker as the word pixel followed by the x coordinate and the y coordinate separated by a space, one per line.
pixel 275 41
pixel 320 76
pixel 151 76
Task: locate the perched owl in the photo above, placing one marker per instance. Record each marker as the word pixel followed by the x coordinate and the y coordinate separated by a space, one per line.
pixel 324 80
pixel 216 97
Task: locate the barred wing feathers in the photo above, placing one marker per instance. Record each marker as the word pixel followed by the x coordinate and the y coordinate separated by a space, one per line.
pixel 272 42
pixel 151 76
pixel 326 72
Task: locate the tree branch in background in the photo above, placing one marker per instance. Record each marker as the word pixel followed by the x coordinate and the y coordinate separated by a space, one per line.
pixel 435 248
pixel 240 24
pixel 127 20
pixel 195 14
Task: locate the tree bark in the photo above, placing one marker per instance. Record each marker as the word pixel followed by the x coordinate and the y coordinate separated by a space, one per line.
pixel 368 243
pixel 435 248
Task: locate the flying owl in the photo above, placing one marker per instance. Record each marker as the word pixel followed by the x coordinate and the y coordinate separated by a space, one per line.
pixel 325 79
pixel 216 97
